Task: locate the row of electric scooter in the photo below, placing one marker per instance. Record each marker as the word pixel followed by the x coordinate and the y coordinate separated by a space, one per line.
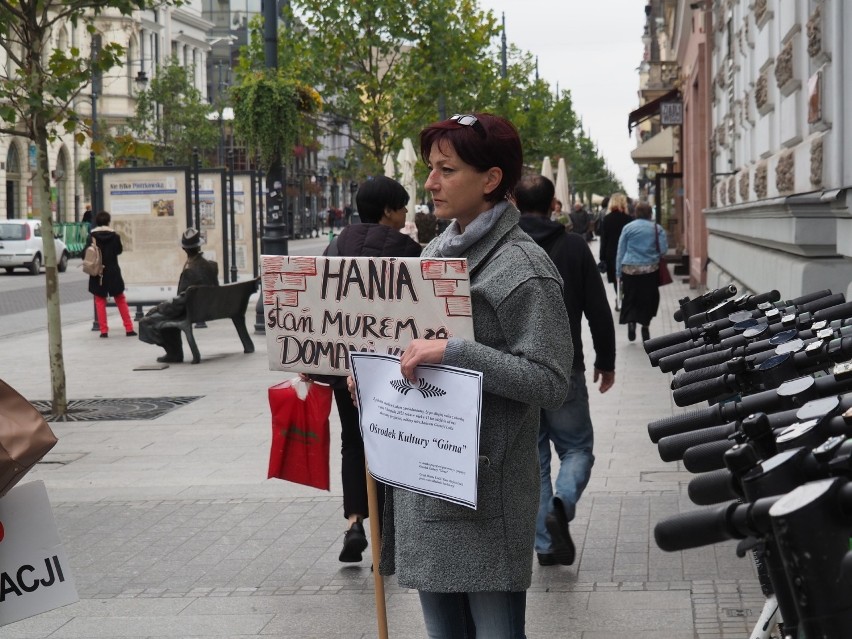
pixel 770 446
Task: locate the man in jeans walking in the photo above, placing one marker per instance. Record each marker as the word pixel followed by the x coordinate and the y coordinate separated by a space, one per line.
pixel 569 427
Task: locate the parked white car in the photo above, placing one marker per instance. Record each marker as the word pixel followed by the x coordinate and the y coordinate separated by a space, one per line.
pixel 21 246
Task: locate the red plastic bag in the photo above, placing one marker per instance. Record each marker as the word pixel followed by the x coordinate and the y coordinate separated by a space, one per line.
pixel 300 439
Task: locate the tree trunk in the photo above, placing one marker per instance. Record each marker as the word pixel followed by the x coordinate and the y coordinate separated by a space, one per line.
pixel 41 193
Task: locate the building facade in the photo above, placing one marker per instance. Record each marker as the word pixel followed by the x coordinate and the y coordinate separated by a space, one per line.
pixel 779 215
pixel 766 172
pixel 692 50
pixel 150 39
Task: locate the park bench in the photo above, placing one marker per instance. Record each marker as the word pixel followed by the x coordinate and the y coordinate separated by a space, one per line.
pixel 208 303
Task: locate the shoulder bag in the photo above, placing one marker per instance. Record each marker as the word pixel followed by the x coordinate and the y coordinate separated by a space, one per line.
pixel 25 437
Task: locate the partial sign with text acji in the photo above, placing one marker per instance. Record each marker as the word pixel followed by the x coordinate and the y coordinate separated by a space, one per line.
pixel 35 575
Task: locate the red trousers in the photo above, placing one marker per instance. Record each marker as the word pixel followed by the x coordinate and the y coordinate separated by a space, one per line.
pixel 121 303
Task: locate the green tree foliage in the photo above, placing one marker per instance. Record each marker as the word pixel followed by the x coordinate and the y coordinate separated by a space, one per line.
pixel 385 69
pixel 270 112
pixel 172 116
pixel 357 51
pixel 38 90
pixel 447 69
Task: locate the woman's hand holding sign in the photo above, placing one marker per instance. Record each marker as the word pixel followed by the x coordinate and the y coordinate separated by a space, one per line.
pixel 421 351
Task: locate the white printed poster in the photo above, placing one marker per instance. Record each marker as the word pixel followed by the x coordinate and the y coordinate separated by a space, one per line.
pixel 149 212
pixel 243 236
pixel 35 575
pixel 422 436
pixel 317 310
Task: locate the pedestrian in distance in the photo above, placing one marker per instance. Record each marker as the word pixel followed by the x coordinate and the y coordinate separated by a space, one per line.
pixel 472 568
pixel 88 217
pixel 557 210
pixel 382 204
pixel 569 427
pixel 332 220
pixel 613 222
pixel 197 270
pixel 637 263
pixel 580 220
pixel 599 215
pixel 110 283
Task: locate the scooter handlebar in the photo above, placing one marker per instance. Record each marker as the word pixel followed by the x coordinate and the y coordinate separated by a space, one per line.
pixel 705 389
pixel 695 529
pixel 712 488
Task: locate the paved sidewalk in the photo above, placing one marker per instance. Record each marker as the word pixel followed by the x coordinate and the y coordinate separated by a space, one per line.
pixel 173 530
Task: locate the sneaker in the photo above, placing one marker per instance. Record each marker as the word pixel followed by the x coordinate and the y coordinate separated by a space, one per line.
pixel 131 333
pixel 631 331
pixel 646 333
pixel 354 543
pixel 556 523
pixel 104 335
pixel 170 359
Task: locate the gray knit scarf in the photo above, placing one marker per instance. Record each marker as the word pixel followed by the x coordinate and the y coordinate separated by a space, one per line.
pixel 456 243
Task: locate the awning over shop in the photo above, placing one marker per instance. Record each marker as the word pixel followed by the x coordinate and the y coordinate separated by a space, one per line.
pixel 655 150
pixel 650 109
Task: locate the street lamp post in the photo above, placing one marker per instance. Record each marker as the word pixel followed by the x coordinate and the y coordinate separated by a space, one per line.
pixel 275 233
pixel 322 204
pixel 232 223
pixel 224 71
pixel 93 188
pixel 353 188
pixel 96 89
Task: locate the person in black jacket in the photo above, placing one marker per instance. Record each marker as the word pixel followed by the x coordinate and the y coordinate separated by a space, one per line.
pixel 88 217
pixel 581 221
pixel 611 226
pixel 109 283
pixel 381 204
pixel 570 426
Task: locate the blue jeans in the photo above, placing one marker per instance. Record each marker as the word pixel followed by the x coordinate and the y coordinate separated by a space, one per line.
pixel 467 615
pixel 569 427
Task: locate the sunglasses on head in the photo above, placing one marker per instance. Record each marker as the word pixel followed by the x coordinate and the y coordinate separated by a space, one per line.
pixel 469 120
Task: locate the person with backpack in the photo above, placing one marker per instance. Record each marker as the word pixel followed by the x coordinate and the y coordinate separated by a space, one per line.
pixel 109 282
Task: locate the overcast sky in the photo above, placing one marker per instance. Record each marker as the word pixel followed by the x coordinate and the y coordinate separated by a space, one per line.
pixel 593 49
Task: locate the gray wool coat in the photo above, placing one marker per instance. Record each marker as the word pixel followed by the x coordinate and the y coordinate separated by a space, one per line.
pixel 523 348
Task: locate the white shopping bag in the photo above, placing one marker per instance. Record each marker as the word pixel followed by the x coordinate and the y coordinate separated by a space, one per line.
pixel 35 575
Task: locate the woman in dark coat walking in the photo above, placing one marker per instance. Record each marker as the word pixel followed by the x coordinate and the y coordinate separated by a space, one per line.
pixel 613 222
pixel 109 283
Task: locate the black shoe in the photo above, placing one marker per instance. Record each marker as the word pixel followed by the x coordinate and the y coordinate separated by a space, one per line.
pixel 556 523
pixel 546 559
pixel 646 333
pixel 631 331
pixel 170 359
pixel 354 543
pixel 104 335
pixel 131 333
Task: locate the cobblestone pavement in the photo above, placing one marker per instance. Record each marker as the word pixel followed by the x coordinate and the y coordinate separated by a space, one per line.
pixel 173 530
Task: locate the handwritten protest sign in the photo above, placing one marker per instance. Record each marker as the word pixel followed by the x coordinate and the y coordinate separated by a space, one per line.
pixel 318 309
